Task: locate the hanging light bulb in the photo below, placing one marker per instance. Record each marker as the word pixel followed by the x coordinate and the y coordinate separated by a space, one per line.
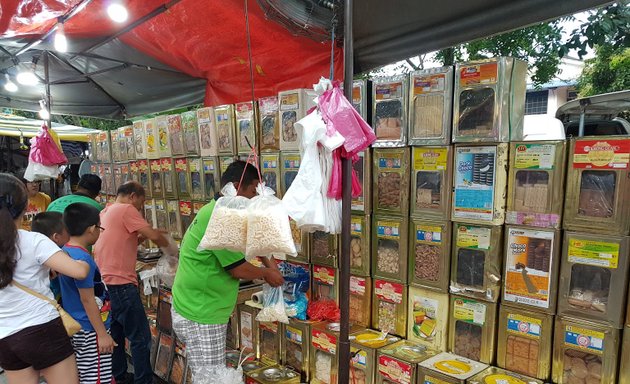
pixel 9 86
pixel 117 12
pixel 43 112
pixel 27 78
pixel 61 43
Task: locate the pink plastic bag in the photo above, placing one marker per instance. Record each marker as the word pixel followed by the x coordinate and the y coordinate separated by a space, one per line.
pixel 44 150
pixel 341 116
pixel 335 186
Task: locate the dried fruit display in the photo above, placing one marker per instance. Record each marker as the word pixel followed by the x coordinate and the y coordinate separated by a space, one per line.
pixel 389 189
pixel 294 355
pixel 387 316
pixel 470 267
pixel 597 194
pixel 427 266
pixel 356 255
pixel 581 368
pixel 590 287
pixel 388 256
pixel 289 118
pixel 522 355
pixel 323 367
pixel 468 340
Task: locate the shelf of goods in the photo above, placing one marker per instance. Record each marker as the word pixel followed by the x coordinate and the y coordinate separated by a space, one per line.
pixel 598 185
pixel 489 100
pixel 584 352
pixel 389 111
pixel 536 184
pixel 427 320
pixel 472 329
pixel 429 254
pixel 430 106
pixel 324 352
pixel 431 180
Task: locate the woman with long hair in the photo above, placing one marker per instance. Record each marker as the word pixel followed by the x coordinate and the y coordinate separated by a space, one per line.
pixel 33 340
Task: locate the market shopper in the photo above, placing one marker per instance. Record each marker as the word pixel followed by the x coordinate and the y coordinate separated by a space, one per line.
pixel 87 300
pixel 87 191
pixel 33 340
pixel 116 254
pixel 37 202
pixel 207 282
pixel 50 224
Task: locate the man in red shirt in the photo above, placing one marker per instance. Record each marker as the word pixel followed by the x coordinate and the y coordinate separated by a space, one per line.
pixel 116 253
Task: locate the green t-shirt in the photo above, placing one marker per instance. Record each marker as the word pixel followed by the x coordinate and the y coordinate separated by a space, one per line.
pixel 203 291
pixel 61 203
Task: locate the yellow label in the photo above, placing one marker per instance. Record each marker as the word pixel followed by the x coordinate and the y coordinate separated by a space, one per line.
pixel 356 226
pixel 596 253
pixel 433 380
pixel 470 311
pixel 534 156
pixel 502 379
pixel 473 237
pixel 430 159
pixel 453 367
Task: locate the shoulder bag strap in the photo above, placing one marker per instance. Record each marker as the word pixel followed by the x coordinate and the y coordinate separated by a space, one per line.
pixel 36 294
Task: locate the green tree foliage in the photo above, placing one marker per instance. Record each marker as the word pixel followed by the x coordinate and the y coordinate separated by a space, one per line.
pixel 537 44
pixel 608 71
pixel 606 26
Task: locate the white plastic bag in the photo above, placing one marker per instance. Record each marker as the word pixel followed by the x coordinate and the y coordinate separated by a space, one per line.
pixel 38 172
pixel 268 227
pixel 273 306
pixel 227 228
pixel 304 200
pixel 219 374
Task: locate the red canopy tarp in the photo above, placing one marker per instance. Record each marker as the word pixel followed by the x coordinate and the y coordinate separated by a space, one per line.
pixel 202 38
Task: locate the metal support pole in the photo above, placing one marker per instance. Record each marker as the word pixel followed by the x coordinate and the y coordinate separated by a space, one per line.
pixel 346 174
pixel 47 79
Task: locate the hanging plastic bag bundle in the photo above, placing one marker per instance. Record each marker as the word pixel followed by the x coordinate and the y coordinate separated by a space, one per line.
pixel 45 151
pixel 227 228
pixel 268 227
pixel 274 308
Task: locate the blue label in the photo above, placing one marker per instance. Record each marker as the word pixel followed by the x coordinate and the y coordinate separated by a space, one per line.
pixel 584 341
pixel 524 327
pixel 429 236
pixel 393 162
pixel 384 230
pixel 474 199
pixel 292 164
pixel 270 164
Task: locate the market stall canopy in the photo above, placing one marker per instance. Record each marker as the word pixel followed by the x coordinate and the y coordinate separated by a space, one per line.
pixel 181 52
pixel 169 54
pixel 16 126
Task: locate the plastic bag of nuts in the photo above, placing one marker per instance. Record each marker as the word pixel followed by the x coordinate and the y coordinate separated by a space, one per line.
pixel 428 263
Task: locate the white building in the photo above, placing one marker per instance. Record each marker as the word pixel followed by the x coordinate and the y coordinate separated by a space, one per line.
pixel 546 99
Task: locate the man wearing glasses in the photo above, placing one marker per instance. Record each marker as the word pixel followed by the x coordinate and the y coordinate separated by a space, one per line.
pixel 116 254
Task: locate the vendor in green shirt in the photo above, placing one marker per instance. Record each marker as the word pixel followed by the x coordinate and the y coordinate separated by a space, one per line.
pixel 87 191
pixel 207 282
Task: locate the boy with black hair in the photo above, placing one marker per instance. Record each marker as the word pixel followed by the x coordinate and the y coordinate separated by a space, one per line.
pixel 87 300
pixel 206 283
pixel 50 224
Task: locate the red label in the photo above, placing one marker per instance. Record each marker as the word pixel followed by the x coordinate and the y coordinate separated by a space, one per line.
pixel 388 291
pixel 271 327
pixel 478 74
pixel 324 275
pixel 602 154
pixel 395 370
pixel 185 208
pixel 249 380
pixel 167 164
pixel 323 341
pixel 357 285
pixel 180 165
pixel 143 166
pixel 133 167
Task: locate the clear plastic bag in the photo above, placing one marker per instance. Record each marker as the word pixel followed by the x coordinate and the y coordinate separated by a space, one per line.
pixel 219 374
pixel 268 227
pixel 227 228
pixel 274 308
pixel 167 264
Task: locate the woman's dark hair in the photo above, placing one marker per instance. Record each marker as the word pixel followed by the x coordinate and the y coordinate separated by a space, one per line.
pixel 237 169
pixel 13 200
